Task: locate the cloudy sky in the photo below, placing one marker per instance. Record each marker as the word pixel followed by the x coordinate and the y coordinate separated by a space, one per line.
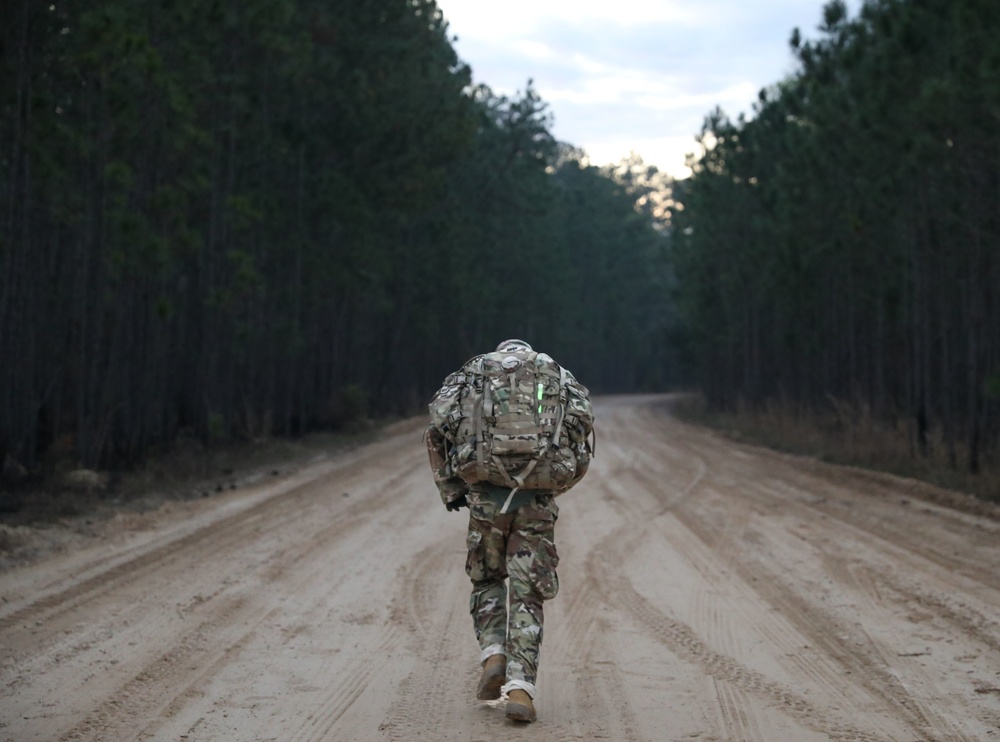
pixel 632 75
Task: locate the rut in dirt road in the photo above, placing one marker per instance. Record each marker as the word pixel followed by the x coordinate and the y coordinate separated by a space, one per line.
pixel 709 591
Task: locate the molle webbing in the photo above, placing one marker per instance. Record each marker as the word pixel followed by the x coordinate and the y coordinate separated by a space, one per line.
pixel 517 418
pixel 505 415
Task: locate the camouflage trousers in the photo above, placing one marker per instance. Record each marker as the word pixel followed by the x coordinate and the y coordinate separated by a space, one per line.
pixel 515 547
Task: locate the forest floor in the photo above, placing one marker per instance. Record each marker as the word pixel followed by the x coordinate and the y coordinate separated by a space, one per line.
pixel 842 433
pixel 710 591
pixel 40 516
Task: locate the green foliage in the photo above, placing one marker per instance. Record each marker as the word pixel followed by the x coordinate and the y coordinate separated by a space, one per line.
pixel 352 405
pixel 991 387
pixel 216 427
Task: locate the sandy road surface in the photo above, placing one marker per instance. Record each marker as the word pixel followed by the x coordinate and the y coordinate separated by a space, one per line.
pixel 709 591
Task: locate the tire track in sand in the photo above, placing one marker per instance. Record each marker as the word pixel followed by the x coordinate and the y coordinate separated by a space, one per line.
pixel 858 654
pixel 157 691
pixel 680 639
pixel 429 623
pixel 605 568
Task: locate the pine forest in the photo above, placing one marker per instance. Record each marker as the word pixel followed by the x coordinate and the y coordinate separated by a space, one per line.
pixel 239 220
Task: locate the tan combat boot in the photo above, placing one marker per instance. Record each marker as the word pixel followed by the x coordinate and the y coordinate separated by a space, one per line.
pixel 493 677
pixel 519 706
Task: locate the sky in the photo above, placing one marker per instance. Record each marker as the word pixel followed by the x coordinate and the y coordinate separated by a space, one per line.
pixel 623 76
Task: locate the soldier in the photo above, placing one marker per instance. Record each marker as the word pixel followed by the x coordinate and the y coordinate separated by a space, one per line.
pixel 511 537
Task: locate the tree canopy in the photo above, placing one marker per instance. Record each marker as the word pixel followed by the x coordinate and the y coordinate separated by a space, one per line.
pixel 268 217
pixel 845 241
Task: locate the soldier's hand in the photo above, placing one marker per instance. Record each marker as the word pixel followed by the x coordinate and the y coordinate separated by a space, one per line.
pixel 458 503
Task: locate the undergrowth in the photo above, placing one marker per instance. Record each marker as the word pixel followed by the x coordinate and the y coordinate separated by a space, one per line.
pixel 843 433
pixel 187 470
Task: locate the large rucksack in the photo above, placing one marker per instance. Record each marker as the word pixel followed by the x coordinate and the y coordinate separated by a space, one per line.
pixel 515 419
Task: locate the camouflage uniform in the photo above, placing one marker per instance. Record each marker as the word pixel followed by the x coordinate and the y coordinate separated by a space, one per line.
pixel 505 404
pixel 517 546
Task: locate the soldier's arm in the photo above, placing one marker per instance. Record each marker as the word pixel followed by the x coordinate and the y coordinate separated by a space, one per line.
pixel 450 487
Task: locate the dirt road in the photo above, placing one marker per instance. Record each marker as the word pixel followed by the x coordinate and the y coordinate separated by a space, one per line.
pixel 709 591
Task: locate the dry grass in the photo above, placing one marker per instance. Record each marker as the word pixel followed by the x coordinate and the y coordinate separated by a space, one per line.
pixel 845 433
pixel 188 470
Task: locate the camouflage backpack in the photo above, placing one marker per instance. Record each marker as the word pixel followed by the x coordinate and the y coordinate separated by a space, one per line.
pixel 515 418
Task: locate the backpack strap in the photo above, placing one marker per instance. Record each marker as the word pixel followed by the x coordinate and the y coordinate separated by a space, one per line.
pixel 518 481
pixel 482 404
pixel 561 414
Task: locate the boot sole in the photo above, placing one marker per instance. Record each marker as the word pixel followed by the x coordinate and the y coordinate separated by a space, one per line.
pixel 517 712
